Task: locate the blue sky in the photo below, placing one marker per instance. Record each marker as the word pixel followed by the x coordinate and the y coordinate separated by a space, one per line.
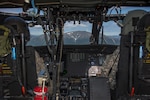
pixel 110 28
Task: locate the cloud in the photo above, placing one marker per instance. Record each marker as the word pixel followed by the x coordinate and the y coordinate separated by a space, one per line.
pixel 37 26
pixel 12 10
pixel 36 30
pixel 71 24
pixel 83 26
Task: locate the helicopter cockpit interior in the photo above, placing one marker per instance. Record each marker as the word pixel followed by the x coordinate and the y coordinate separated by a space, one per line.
pixel 60 65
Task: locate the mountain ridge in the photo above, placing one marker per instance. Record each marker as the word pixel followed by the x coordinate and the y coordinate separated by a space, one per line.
pixel 75 38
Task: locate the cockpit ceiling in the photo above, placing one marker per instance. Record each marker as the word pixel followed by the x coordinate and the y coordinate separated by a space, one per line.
pixel 77 3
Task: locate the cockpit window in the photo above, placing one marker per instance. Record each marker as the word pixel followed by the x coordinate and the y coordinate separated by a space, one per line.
pixel 76 33
pixel 79 32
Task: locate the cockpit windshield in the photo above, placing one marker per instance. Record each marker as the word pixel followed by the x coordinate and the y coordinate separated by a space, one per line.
pixel 79 32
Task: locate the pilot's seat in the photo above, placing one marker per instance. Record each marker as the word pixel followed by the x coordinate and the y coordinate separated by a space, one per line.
pixel 142 39
pixel 14 61
pixel 133 68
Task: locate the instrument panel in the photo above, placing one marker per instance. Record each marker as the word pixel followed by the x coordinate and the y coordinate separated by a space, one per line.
pixel 77 59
